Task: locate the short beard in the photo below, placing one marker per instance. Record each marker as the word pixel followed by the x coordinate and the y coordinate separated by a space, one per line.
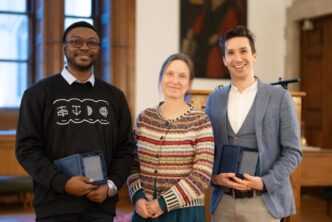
pixel 81 68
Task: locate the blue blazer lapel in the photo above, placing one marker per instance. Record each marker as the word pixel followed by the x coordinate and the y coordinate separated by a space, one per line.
pixel 223 114
pixel 261 104
pixel 220 112
pixel 217 112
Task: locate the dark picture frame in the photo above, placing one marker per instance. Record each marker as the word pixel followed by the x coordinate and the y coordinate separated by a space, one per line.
pixel 202 23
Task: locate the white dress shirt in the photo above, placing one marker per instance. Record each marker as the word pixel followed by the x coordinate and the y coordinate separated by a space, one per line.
pixel 70 79
pixel 239 104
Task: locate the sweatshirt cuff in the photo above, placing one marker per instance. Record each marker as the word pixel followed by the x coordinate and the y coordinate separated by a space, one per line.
pixel 58 183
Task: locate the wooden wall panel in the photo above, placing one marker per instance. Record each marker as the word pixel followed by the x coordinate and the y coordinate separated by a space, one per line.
pixel 8 119
pixel 8 163
pixel 123 46
pixel 52 35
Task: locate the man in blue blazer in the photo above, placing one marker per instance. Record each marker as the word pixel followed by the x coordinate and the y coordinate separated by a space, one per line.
pixel 251 114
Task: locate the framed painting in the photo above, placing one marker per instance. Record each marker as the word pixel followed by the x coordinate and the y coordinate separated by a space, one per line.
pixel 202 23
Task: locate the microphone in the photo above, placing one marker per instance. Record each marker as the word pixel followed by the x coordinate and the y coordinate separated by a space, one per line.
pixel 284 83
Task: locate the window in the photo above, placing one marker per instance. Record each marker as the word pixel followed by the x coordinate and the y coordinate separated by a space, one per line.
pixel 30 47
pixel 14 39
pixel 78 10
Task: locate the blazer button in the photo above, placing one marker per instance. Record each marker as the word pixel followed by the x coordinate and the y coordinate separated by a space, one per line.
pixel 155 171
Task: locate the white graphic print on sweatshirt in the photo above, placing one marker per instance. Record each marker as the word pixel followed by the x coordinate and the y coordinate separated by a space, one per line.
pixel 77 111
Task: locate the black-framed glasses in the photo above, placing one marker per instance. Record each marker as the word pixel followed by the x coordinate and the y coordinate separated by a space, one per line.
pixel 78 43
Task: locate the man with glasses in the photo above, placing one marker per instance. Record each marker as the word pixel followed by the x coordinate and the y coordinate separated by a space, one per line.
pixel 70 114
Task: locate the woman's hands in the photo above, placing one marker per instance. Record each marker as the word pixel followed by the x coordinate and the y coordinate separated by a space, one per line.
pixel 148 208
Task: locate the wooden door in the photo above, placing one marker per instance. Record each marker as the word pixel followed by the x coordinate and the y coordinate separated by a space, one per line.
pixel 316 81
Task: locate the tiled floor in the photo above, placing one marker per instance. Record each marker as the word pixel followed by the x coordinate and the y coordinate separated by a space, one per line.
pixel 313 209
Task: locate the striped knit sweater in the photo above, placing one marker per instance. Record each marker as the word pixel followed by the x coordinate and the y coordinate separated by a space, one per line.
pixel 175 158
